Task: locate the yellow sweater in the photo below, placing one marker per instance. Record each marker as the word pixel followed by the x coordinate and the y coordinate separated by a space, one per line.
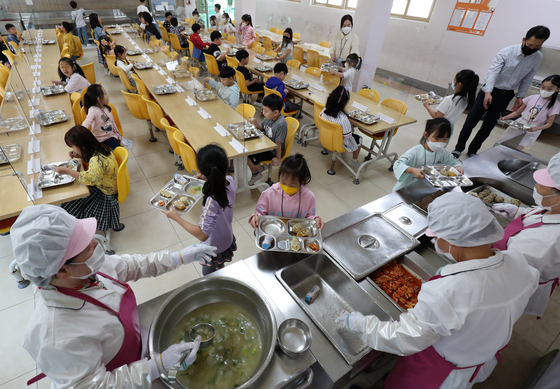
pixel 72 47
pixel 101 173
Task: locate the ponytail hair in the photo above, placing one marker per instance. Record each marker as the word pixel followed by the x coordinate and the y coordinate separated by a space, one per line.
pixel 295 166
pixel 247 19
pixel 75 68
pixel 118 50
pixel 212 161
pixel 92 95
pixel 355 60
pixel 555 80
pixel 469 80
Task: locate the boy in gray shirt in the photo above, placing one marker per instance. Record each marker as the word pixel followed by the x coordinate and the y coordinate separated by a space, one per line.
pixel 78 19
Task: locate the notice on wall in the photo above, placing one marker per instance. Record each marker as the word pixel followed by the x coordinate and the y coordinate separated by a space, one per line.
pixel 472 16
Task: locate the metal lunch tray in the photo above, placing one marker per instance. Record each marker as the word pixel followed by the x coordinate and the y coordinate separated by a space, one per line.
pixel 281 230
pixel 10 153
pixel 180 73
pixel 115 32
pixel 49 178
pixel 148 51
pixel 52 90
pixel 164 89
pixel 53 117
pixel 232 52
pixel 13 124
pixel 513 123
pixel 507 198
pixel 431 98
pixel 143 65
pixel 130 31
pixel 178 190
pixel 368 244
pixel 295 84
pixel 134 52
pixel 206 95
pixel 244 131
pixel 238 46
pixel 524 176
pixel 439 180
pixel 408 217
pixel 264 68
pixel 329 66
pixel 363 117
pixel 49 42
pixel 264 57
pixel 338 292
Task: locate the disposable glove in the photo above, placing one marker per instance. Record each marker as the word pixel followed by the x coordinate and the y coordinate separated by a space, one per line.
pixel 353 322
pixel 196 252
pixel 508 210
pixel 162 363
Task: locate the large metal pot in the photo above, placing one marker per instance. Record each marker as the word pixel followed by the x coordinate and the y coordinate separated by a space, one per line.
pixel 208 290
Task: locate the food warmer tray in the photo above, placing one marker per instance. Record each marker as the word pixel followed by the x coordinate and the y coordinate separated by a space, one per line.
pixel 52 90
pixel 10 153
pixel 52 117
pixel 524 176
pixel 49 178
pixel 206 95
pixel 13 124
pixel 295 84
pixel 438 179
pixel 164 89
pixel 283 234
pixel 244 131
pixel 185 187
pixel 498 193
pixel 369 244
pixel 408 217
pixel 363 117
pixel 338 292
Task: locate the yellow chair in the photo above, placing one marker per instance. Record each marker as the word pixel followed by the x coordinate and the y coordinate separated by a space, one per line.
pixel 76 109
pixel 280 32
pixel 298 54
pixel 141 87
pixel 212 64
pixel 110 59
pixel 246 110
pixel 116 117
pixel 293 126
pixel 173 55
pixel 188 156
pixel 160 23
pixel 210 31
pixel 231 39
pixel 164 34
pixel 258 37
pixel 267 43
pixel 268 91
pixel 273 29
pixel 259 50
pixel 14 46
pixel 313 71
pixel 4 74
pixel 303 138
pixel 325 44
pixel 78 43
pixel 370 94
pixel 271 53
pixel 138 109
pixel 2 66
pixel 11 57
pixel 165 50
pixel 294 63
pixel 232 61
pixel 313 58
pixel 332 79
pixel 170 130
pixel 296 35
pixel 89 72
pixel 331 138
pixel 194 71
pixel 125 81
pixel 322 59
pixel 255 45
pixel 154 111
pixel 176 43
pixel 241 82
pixel 191 21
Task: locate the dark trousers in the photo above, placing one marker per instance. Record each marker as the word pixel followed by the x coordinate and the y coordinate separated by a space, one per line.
pixel 257 87
pixel 500 101
pixel 289 106
pixel 112 142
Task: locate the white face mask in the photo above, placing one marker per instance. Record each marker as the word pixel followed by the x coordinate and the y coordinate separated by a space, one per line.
pixel 453 85
pixel 347 65
pixel 243 24
pixel 435 146
pixel 346 30
pixel 94 262
pixel 546 93
pixel 539 199
pixel 441 252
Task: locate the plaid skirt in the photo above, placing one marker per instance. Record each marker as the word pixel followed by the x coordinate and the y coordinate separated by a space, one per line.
pixel 104 208
pixel 101 58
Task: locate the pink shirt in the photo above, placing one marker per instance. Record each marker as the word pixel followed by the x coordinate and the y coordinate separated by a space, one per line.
pixel 248 36
pixel 273 200
pixel 536 111
pixel 102 124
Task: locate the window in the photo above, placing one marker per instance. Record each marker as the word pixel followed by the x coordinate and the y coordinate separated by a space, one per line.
pixel 337 3
pixel 413 9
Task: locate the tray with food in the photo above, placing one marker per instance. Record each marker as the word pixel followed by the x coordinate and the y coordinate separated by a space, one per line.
pixel 13 124
pixel 363 117
pixel 52 117
pixel 288 235
pixel 52 90
pixel 115 32
pixel 264 57
pixel 130 31
pixel 238 46
pixel 49 42
pixel 164 89
pixel 48 177
pixel 490 196
pixel 134 52
pixel 244 131
pixel 519 126
pixel 181 192
pixel 295 84
pixel 430 97
pixel 179 72
pixel 444 175
pixel 143 65
pixel 264 68
pixel 206 95
pixel 326 67
pixel 10 153
pixel 112 26
pixel 148 51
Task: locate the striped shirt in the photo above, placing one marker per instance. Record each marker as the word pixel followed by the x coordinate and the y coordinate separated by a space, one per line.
pixel 342 120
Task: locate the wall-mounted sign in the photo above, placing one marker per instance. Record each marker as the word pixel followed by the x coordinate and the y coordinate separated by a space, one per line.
pixel 472 16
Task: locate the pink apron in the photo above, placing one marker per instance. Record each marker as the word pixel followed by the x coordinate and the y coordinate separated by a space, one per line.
pixel 426 369
pixel 131 349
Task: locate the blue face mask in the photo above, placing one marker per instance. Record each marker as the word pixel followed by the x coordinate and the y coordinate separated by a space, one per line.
pixel 453 85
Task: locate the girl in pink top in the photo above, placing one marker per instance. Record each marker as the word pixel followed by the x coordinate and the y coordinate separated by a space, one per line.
pixel 246 31
pixel 289 197
pixel 99 117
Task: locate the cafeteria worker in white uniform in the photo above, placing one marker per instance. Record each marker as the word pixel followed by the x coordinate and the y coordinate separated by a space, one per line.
pixel 85 330
pixel 345 42
pixel 464 317
pixel 535 233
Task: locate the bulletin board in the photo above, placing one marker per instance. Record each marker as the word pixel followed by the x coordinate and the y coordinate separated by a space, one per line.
pixel 472 16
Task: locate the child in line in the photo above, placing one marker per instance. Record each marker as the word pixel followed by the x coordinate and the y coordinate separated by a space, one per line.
pixel 167 23
pixel 197 18
pixel 286 49
pixel 122 62
pixel 198 44
pixel 213 22
pixel 78 19
pixel 68 38
pixel 214 49
pixel 275 128
pixel 71 76
pixel 218 16
pixel 289 197
pixel 215 226
pixel 277 83
pixel 347 73
pixel 537 111
pixel 12 35
pixel 149 27
pixel 227 89
pixel 176 29
pixel 100 118
pixel 247 31
pixel 253 83
pixel 227 26
pixel 334 112
pixel 431 151
pixel 452 106
pixel 100 178
pixel 98 31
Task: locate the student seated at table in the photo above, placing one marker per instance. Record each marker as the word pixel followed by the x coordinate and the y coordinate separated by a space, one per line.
pixel 252 83
pixel 177 29
pixel 197 18
pixel 198 44
pixel 227 89
pixel 275 128
pixel 277 83
pixel 227 26
pixel 68 38
pixel 100 118
pixel 122 62
pixel 12 35
pixel 214 49
pixel 213 22
pixel 71 76
pixel 151 28
pixel 286 49
pixel 100 178
pixel 167 23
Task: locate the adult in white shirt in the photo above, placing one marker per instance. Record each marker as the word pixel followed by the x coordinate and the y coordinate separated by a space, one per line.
pixel 345 41
pixel 142 8
pixel 512 69
pixel 465 315
pixel 535 233
pixel 85 330
pixel 218 15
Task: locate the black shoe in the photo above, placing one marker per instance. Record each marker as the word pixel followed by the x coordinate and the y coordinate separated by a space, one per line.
pixel 120 228
pixel 456 154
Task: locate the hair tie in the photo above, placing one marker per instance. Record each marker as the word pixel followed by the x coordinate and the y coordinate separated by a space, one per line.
pixel 343 90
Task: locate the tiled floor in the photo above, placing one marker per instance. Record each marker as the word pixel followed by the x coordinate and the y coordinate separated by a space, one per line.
pixel 150 166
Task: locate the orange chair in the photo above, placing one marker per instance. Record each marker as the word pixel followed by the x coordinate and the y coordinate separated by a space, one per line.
pixel 268 91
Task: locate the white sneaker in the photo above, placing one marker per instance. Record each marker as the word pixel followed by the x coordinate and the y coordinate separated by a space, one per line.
pixel 258 104
pixel 255 177
pixel 354 163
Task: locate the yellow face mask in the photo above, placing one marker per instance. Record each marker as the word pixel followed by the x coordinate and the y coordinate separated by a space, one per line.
pixel 288 190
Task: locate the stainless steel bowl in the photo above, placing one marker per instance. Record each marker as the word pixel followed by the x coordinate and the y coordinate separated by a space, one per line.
pixel 294 337
pixel 209 290
pixel 193 333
